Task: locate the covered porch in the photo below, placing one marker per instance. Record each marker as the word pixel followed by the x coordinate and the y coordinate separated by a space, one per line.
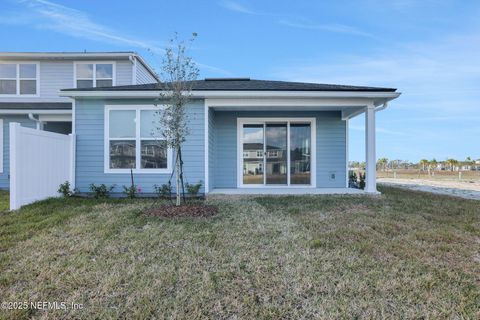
pixel 231 162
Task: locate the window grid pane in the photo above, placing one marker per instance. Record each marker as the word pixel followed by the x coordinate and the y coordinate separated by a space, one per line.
pixel 28 71
pixel 8 71
pixel 28 86
pixel 153 154
pixel 104 71
pixel 104 83
pixel 122 154
pixel 84 71
pixel 8 86
pixel 84 83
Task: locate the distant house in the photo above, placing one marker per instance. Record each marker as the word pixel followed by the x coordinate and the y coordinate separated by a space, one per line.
pixel 30 83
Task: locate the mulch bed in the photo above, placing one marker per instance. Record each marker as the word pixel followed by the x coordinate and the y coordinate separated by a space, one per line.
pixel 171 211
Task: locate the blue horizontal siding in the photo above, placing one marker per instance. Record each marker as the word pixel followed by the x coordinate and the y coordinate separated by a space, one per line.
pixel 330 148
pixel 90 147
pixel 25 122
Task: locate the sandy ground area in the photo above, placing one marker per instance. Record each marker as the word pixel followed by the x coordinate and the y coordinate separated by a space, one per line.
pixel 463 189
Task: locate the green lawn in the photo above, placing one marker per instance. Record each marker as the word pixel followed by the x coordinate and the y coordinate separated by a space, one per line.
pixel 402 255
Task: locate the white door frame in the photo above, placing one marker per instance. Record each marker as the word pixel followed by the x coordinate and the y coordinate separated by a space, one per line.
pixel 288 120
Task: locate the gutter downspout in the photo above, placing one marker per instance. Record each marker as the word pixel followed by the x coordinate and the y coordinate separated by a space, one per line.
pixel 38 122
pixel 382 107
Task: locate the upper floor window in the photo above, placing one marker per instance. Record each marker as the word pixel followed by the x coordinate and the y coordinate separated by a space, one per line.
pixel 89 75
pixel 18 78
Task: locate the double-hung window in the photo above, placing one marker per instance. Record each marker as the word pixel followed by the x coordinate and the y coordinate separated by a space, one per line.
pixel 134 141
pixel 19 79
pixel 89 75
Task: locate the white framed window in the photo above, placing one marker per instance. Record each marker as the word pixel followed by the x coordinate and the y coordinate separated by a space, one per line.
pixel 19 79
pixel 94 74
pixel 132 141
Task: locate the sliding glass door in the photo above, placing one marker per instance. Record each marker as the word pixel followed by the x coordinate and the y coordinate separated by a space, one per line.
pixel 276 153
pixel 300 153
pixel 253 151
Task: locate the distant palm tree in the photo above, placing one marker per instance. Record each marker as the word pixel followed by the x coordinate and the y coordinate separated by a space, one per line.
pixel 423 164
pixel 382 162
pixel 432 165
pixel 452 163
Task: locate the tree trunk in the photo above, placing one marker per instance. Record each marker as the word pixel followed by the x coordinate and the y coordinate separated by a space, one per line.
pixel 177 179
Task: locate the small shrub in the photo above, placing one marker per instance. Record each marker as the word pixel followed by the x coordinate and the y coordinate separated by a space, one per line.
pixel 352 180
pixel 163 191
pixel 64 189
pixel 101 191
pixel 361 184
pixel 131 191
pixel 193 189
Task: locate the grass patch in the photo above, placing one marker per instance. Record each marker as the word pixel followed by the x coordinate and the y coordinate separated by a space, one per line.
pixel 403 255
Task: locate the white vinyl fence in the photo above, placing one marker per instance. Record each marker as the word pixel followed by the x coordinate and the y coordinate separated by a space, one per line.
pixel 39 162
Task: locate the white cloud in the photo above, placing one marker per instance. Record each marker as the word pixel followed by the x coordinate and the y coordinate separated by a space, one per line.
pixel 295 21
pixel 237 7
pixel 49 15
pixel 337 28
pixel 440 75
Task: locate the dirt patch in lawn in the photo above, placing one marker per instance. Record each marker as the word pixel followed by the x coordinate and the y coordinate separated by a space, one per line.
pixel 193 210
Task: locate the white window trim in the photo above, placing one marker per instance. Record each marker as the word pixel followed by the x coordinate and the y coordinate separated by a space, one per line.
pixel 289 120
pixel 137 109
pixel 94 79
pixel 17 78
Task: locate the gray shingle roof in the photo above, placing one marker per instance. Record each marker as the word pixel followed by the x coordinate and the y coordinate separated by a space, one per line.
pixel 243 84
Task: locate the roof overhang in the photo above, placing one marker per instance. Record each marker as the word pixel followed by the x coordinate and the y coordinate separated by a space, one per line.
pixel 350 103
pixel 230 94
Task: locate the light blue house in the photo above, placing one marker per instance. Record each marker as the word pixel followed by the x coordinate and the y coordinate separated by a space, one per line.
pixel 30 82
pixel 246 136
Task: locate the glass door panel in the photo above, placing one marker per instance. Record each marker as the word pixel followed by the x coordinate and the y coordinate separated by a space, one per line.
pixel 253 152
pixel 276 153
pixel 300 153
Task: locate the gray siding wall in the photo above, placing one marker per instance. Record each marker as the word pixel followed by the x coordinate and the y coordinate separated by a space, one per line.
pixel 24 121
pixel 90 148
pixel 143 75
pixel 124 75
pixel 330 151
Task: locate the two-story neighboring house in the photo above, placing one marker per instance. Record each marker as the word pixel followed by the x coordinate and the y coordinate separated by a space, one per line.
pixel 30 83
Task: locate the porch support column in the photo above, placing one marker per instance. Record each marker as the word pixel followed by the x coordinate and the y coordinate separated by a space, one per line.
pixel 371 172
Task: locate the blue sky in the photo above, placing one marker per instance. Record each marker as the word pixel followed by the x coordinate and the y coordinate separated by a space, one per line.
pixel 429 50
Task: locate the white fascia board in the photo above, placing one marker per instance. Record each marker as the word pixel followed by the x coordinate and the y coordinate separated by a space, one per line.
pixel 65 55
pixel 234 94
pixel 34 111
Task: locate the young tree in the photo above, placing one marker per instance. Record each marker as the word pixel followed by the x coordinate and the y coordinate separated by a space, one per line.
pixel 178 74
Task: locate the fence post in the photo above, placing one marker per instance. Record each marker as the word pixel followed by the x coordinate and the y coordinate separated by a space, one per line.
pixel 73 144
pixel 13 130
